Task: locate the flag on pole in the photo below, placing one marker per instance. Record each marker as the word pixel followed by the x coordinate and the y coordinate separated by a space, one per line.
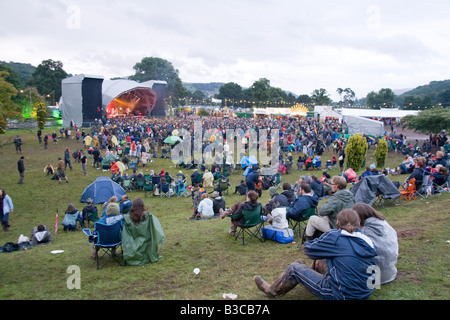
pixel 56 222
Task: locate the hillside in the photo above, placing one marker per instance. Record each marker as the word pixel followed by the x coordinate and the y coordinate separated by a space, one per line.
pixel 209 89
pixel 434 88
pixel 24 70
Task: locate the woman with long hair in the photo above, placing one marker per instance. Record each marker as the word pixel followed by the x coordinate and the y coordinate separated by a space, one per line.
pixel 375 226
pixel 142 235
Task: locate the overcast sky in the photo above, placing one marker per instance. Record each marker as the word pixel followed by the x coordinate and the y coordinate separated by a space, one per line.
pixel 298 45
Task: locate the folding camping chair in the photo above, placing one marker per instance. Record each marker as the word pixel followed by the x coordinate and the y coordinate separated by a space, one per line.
pixel 148 187
pixel 164 190
pixel 299 225
pixel 381 200
pixel 317 165
pixel 126 184
pixel 140 183
pixel 442 188
pixel 426 188
pixel 155 180
pixel 252 226
pixel 181 189
pixel 107 240
pixel 223 185
pixel 409 193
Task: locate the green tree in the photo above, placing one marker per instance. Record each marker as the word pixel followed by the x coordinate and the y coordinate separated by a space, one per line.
pixel 356 151
pixel 349 96
pixel 198 97
pixel 260 90
pixel 384 98
pixel 428 121
pixel 304 99
pixel 320 97
pixel 444 98
pixel 151 68
pixel 8 108
pixel 230 91
pixel 381 152
pixel 47 78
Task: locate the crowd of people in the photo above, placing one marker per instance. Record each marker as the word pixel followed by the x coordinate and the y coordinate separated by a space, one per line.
pixel 343 238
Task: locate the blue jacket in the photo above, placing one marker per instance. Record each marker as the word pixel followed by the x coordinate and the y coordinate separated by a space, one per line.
pixel 301 204
pixel 348 256
pixel 7 205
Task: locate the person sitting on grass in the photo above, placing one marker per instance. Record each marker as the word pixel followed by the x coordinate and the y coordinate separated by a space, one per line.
pixel 71 217
pixel 349 255
pixel 204 209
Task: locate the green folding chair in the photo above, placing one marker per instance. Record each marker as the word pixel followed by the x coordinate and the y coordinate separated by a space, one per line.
pixel 252 226
pixel 299 225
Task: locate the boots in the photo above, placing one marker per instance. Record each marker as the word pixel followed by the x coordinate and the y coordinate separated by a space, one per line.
pixel 280 286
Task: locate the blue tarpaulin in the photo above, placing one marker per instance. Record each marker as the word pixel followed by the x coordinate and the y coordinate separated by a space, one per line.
pixel 101 190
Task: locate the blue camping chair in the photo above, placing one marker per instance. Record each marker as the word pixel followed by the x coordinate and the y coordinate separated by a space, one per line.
pixel 181 189
pixel 165 190
pixel 108 238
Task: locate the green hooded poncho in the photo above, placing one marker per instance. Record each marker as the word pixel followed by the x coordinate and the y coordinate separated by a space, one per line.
pixel 140 242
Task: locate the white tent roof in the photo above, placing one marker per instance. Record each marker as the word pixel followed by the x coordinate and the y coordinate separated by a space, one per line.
pixel 364 126
pixel 377 113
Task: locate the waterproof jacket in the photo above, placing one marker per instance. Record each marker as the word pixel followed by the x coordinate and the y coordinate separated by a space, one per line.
pixel 340 200
pixel 302 203
pixel 386 243
pixel 349 257
pixel 141 242
pixel 290 195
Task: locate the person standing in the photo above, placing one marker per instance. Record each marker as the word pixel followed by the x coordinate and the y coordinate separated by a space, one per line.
pixel 6 207
pixel 46 141
pixel 39 135
pixel 83 160
pixel 21 169
pixel 18 144
pixel 67 159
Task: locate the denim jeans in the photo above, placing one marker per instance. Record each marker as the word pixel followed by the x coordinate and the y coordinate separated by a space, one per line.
pixel 315 282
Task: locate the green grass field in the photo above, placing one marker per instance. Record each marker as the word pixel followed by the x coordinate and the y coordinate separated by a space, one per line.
pixel 225 266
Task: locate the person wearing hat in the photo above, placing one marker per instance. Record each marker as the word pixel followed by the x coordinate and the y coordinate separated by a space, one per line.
pixel 276 201
pixel 218 203
pixel 89 208
pixel 112 214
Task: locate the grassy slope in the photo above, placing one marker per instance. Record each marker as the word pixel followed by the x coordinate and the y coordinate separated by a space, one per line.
pixel 225 265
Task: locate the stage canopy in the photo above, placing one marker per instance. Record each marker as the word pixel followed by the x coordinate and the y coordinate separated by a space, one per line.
pixel 127 97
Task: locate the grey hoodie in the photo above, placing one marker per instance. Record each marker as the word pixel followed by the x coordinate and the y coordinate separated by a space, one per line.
pixel 386 245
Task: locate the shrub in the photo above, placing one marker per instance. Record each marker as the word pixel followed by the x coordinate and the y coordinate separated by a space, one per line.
pixel 356 151
pixel 41 114
pixel 381 152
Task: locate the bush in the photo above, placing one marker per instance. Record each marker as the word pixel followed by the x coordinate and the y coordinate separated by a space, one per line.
pixel 41 114
pixel 356 151
pixel 381 152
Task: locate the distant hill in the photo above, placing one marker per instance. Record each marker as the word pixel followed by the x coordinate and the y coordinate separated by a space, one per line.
pixel 433 89
pixel 209 89
pixel 24 70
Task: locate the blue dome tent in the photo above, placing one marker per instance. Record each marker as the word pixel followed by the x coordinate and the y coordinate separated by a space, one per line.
pixel 101 190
